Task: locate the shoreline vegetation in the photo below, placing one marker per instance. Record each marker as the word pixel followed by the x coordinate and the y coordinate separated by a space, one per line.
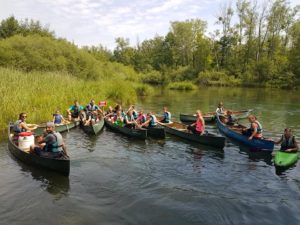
pixel 255 46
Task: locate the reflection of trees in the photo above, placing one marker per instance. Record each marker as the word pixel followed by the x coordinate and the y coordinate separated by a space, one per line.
pixel 54 183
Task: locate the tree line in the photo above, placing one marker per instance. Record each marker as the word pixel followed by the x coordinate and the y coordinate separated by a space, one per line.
pixel 257 44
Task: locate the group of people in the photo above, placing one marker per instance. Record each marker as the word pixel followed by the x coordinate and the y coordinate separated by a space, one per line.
pixel 51 144
pixel 288 141
pixel 135 119
pixel 89 114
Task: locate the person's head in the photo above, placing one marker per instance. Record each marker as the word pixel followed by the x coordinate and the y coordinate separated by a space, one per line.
pixel 141 112
pixel 229 113
pixel 149 114
pixel 22 116
pixel 251 118
pixel 220 105
pixel 50 127
pixel 92 102
pixel 129 113
pixel 165 109
pixel 198 113
pixel 57 111
pixel 110 108
pixel 118 107
pixel 119 112
pixel 76 103
pixel 288 132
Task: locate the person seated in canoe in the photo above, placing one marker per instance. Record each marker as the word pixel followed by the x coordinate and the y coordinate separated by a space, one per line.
pixel 230 119
pixel 92 112
pixel 255 130
pixel 118 119
pixel 151 120
pixel 129 120
pixel 134 112
pixel 199 126
pixel 51 145
pixel 58 118
pixel 74 110
pixel 141 117
pixel 21 126
pixel 166 116
pixel 220 109
pixel 288 141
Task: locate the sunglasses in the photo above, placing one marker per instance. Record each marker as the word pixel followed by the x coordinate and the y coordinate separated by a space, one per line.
pixel 24 116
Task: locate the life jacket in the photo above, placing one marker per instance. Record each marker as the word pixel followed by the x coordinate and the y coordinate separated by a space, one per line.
pixel 258 131
pixel 287 143
pixel 76 110
pixel 199 126
pixel 90 107
pixel 220 110
pixel 127 118
pixel 142 118
pixel 57 145
pixel 167 117
pixel 135 114
pixel 153 121
pixel 57 118
pixel 17 128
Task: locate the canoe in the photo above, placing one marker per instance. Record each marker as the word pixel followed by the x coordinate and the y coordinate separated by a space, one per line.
pixel 211 116
pixel 93 129
pixel 234 132
pixel 58 127
pixel 156 132
pixel 135 133
pixel 286 159
pixel 60 165
pixel 180 130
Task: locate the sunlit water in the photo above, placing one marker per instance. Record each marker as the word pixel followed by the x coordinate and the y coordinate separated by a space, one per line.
pixel 118 180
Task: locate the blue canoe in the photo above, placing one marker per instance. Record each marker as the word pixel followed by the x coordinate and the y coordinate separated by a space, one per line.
pixel 235 133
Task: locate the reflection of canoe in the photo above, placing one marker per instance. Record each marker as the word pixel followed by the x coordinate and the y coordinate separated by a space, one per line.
pixel 60 165
pixel 180 130
pixel 234 132
pixel 94 129
pixel 156 132
pixel 136 133
pixel 58 127
pixel 285 159
pixel 211 116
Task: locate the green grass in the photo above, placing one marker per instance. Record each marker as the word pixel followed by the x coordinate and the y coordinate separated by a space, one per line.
pixel 39 94
pixel 182 85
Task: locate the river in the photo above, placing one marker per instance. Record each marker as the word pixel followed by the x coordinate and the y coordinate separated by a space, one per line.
pixel 118 180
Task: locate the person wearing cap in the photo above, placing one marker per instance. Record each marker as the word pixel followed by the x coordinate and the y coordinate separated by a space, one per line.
pixel 51 145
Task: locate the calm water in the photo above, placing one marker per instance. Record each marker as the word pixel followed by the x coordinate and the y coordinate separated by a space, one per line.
pixel 117 180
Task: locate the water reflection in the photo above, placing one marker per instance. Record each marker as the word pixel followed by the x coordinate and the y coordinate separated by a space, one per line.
pixel 54 183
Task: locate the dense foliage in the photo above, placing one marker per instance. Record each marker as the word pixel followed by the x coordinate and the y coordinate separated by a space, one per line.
pixel 257 44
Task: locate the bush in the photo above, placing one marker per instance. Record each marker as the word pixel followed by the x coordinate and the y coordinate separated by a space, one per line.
pixel 217 78
pixel 143 90
pixel 153 77
pixel 183 85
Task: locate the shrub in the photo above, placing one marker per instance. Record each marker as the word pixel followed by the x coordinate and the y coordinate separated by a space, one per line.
pixel 183 85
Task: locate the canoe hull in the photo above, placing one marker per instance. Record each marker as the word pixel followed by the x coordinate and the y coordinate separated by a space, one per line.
pixel 286 159
pixel 61 166
pixel 135 133
pixel 211 116
pixel 59 128
pixel 156 132
pixel 93 129
pixel 206 139
pixel 260 144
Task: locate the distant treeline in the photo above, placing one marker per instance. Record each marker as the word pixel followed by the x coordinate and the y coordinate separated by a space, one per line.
pixel 258 44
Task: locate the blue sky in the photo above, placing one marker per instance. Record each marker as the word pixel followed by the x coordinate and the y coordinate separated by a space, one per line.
pixel 91 22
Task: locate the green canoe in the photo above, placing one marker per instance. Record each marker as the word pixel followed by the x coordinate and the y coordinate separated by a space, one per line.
pixel 285 159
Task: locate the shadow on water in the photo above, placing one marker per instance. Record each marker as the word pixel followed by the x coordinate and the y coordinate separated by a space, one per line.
pixel 54 183
pixel 281 170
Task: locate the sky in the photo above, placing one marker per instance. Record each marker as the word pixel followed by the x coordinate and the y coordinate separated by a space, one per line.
pixel 94 22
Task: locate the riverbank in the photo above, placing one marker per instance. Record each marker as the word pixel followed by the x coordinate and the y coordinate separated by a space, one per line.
pixel 40 94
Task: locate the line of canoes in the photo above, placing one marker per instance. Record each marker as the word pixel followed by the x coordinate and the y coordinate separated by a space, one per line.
pixel 174 128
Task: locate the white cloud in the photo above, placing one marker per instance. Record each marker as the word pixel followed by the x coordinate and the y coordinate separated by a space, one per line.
pixel 91 22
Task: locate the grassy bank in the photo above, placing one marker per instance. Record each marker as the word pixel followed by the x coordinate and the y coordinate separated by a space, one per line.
pixel 40 94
